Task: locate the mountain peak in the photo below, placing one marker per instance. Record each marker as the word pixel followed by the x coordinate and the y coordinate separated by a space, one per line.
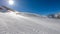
pixel 5 9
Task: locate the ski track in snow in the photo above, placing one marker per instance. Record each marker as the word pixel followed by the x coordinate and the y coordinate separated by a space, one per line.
pixel 19 24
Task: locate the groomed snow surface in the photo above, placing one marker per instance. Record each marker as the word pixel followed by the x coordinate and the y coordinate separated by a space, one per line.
pixel 25 23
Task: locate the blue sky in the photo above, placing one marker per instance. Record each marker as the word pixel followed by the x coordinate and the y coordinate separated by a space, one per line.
pixel 42 7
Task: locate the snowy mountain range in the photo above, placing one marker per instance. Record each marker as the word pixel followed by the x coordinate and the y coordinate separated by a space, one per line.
pixel 56 16
pixel 14 22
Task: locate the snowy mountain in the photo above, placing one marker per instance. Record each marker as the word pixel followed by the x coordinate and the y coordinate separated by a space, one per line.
pixel 13 22
pixel 57 16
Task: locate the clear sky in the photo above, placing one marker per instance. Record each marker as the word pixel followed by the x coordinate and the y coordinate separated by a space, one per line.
pixel 42 7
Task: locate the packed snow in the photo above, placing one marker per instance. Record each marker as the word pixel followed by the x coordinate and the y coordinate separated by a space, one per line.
pixel 27 23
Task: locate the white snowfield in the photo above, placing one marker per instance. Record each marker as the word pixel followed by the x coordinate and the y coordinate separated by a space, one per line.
pixel 25 23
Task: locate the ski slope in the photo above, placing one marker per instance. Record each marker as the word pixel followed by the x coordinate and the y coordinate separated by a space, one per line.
pixel 26 23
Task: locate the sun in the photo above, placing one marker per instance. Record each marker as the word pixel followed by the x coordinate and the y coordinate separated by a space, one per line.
pixel 11 2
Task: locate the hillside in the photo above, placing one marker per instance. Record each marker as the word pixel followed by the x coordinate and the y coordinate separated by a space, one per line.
pixel 27 23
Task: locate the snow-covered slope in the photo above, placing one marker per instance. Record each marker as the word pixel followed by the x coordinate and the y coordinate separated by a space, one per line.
pixel 25 23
